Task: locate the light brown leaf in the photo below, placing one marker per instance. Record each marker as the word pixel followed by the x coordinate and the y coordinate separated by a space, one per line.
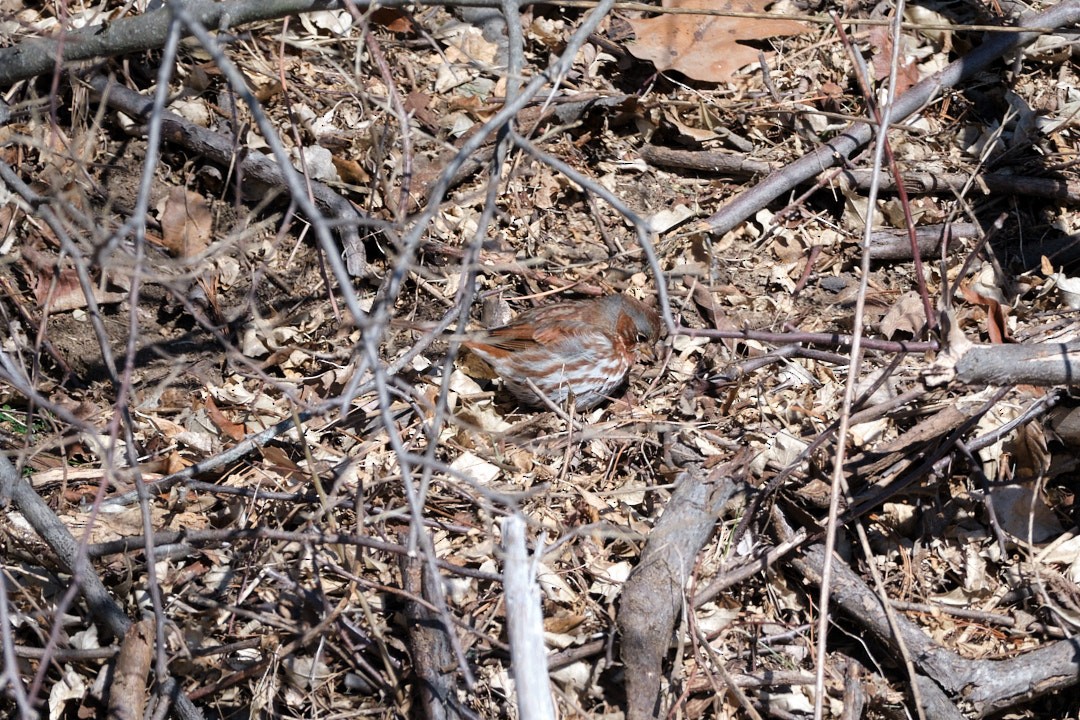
pixel 706 47
pixel 350 171
pixel 997 326
pixel 907 314
pixel 186 223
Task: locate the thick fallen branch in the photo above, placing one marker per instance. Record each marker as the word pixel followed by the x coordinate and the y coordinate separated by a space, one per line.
pixel 915 182
pixel 983 687
pixel 798 336
pixel 893 245
pixel 1043 365
pixel 127 696
pixel 653 597
pixel 37 56
pixel 434 684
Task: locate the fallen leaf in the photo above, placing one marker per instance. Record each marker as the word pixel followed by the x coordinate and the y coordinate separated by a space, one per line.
pixel 906 315
pixel 1030 455
pixel 186 223
pixel 335 22
pixel 1023 513
pixel 997 326
pixel 882 43
pixel 393 20
pixel 233 430
pixel 56 283
pixel 706 47
pixel 279 461
pixel 479 470
pixel 351 171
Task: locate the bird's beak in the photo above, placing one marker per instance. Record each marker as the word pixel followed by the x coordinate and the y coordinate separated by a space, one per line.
pixel 649 350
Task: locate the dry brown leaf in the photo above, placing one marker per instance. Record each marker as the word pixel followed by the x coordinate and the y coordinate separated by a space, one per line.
pixel 997 326
pixel 280 461
pixel 907 315
pixel 174 463
pixel 393 20
pixel 63 294
pixel 706 47
pixel 882 42
pixel 7 216
pixel 233 430
pixel 186 223
pixel 563 622
pixel 56 284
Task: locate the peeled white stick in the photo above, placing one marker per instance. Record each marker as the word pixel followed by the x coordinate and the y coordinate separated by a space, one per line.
pixel 525 624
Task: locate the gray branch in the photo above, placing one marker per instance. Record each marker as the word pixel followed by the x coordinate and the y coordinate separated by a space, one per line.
pixel 1043 365
pixel 101 603
pixel 40 55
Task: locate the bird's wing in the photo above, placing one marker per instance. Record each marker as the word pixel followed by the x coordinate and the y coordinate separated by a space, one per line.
pixel 569 339
pixel 572 339
pixel 504 340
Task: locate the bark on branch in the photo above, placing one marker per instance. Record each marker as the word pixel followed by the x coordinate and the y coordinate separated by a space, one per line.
pixel 40 55
pixel 652 599
pixel 983 687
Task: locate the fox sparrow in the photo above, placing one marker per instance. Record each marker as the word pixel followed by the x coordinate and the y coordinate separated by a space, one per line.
pixel 583 348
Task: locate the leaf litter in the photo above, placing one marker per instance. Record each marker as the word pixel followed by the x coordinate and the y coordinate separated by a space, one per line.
pixel 236 334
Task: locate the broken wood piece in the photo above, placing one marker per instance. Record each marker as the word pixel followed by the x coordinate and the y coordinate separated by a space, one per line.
pixel 1042 365
pixel 525 624
pixel 896 245
pixel 653 597
pixel 429 647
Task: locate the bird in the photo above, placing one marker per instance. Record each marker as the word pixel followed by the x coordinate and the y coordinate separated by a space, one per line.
pixel 579 348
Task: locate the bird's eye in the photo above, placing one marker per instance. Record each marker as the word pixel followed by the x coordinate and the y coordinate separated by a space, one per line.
pixel 642 336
